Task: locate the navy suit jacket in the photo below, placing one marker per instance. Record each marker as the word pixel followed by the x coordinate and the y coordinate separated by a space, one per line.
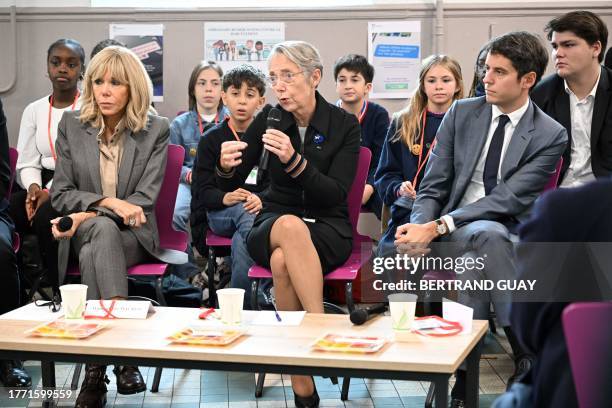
pixel 571 271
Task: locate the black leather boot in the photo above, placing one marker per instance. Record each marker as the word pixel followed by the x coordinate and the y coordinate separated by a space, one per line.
pixel 12 374
pixel 93 389
pixel 129 380
pixel 311 401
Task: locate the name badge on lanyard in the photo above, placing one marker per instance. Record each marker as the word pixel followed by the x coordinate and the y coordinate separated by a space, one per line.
pixel 252 178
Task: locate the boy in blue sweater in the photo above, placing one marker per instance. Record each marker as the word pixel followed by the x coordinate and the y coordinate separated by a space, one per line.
pixel 354 75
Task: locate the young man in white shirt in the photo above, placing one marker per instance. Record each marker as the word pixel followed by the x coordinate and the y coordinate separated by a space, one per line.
pixel 493 157
pixel 579 95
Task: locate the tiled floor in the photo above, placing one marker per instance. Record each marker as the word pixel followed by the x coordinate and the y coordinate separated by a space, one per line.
pixel 208 389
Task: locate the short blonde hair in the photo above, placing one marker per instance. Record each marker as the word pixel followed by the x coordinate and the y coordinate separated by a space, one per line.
pixel 124 66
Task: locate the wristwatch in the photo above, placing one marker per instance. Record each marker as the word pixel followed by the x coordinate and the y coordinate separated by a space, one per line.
pixel 441 227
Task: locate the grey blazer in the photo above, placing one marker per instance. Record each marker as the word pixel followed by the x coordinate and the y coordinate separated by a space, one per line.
pixel 537 143
pixel 76 182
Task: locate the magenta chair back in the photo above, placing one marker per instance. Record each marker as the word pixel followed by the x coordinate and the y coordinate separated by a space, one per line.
pixel 164 207
pixel 589 335
pixel 554 180
pixel 355 195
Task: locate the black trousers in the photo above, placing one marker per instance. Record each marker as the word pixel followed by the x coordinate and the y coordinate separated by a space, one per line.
pixel 9 290
pixel 40 226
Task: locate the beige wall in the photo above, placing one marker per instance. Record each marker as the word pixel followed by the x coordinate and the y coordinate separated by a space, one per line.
pixel 335 32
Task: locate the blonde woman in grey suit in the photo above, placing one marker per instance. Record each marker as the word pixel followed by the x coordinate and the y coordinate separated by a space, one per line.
pixel 111 157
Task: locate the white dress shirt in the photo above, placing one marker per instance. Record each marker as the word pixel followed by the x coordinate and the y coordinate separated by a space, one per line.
pixel 475 189
pixel 580 171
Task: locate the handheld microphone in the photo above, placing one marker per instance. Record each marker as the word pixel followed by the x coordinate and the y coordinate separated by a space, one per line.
pixel 273 122
pixel 360 316
pixel 64 224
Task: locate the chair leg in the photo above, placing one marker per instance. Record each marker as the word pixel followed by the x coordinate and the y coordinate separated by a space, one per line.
pixel 492 323
pixel 212 268
pixel 430 395
pixel 259 386
pixel 158 290
pixel 346 382
pixel 254 291
pixel 334 380
pixel 348 290
pixel 156 379
pixel 75 377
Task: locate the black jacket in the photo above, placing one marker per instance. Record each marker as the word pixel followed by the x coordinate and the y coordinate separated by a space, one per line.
pixel 5 171
pixel 553 251
pixel 206 194
pixel 551 97
pixel 331 150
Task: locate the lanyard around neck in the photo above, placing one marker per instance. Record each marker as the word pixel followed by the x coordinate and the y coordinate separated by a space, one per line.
pixel 229 124
pixel 201 125
pixel 419 147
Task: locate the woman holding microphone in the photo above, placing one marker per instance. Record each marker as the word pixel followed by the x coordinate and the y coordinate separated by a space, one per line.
pixel 303 230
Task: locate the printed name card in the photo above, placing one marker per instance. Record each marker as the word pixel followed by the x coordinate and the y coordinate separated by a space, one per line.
pixel 118 309
pixel 457 312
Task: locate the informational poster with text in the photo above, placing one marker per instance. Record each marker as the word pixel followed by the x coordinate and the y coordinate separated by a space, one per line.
pixel 394 49
pixel 147 41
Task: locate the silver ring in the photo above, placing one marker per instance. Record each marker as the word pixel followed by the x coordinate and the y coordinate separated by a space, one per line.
pixel 131 221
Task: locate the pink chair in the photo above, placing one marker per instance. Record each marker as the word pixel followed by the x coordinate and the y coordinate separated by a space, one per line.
pixel 169 238
pixel 362 249
pixel 554 180
pixel 588 336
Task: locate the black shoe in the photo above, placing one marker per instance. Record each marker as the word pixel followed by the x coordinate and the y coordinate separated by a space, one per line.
pixel 12 374
pixel 311 401
pixel 457 403
pixel 93 389
pixel 522 366
pixel 129 380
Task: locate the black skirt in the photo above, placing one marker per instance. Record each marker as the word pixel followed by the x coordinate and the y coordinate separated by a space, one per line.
pixel 332 248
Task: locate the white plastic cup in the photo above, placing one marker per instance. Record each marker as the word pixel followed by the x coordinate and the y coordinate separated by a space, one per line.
pixel 230 303
pixel 402 307
pixel 74 298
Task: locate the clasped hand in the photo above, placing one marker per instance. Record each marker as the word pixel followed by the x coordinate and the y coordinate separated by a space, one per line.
pixel 252 202
pixel 414 239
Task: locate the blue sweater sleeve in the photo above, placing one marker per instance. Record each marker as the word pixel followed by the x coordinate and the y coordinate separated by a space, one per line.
pixel 389 174
pixel 176 137
pixel 381 125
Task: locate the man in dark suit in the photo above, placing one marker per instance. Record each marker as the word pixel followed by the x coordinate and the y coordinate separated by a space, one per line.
pixel 579 95
pixel 12 373
pixel 493 157
pixel 572 262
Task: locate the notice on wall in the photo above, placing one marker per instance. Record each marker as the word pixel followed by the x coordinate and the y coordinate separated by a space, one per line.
pixel 234 43
pixel 394 49
pixel 147 41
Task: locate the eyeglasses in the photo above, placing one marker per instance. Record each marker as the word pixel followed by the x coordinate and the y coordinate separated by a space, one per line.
pixel 284 77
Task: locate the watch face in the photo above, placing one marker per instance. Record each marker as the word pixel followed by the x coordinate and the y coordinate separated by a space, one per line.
pixel 441 229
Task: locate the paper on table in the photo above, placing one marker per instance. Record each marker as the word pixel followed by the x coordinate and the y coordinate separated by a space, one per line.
pixel 268 318
pixel 457 312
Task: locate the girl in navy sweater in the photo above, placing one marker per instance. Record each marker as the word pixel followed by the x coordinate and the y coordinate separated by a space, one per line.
pixel 410 139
